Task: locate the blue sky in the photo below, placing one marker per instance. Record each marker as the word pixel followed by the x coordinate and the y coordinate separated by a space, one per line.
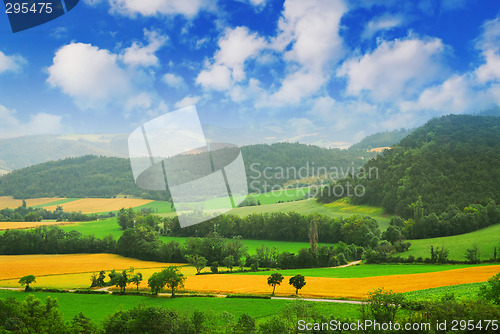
pixel 326 72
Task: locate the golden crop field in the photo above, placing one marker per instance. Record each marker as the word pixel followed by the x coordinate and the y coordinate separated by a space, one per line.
pixel 11 203
pixel 16 266
pixel 95 205
pixel 82 280
pixel 23 225
pixel 340 287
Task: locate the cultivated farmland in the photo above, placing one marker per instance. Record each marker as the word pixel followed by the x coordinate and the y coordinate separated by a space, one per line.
pixel 11 203
pixel 96 205
pixel 16 266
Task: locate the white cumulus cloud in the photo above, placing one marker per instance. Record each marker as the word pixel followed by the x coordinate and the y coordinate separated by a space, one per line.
pixel 12 63
pixel 88 74
pixel 40 123
pixel 236 47
pixel 188 8
pixel 144 55
pixel 187 101
pixel 395 69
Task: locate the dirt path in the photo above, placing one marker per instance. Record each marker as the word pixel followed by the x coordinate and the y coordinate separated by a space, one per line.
pixel 348 265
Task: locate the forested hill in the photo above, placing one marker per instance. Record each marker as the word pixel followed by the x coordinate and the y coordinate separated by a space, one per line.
pixel 87 176
pixel 382 139
pixel 451 162
pixel 92 176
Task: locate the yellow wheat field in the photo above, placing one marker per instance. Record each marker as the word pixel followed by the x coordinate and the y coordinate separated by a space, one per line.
pixel 16 266
pixel 23 225
pixel 340 287
pixel 82 280
pixel 11 203
pixel 95 205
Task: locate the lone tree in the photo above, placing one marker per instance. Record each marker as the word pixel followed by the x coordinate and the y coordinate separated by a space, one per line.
pixel 298 281
pixel 199 262
pixel 27 280
pixel 173 278
pixel 275 279
pixel 170 276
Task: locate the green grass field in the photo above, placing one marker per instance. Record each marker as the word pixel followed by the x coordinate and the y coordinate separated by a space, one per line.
pixel 306 207
pixel 462 291
pixel 109 226
pixel 98 307
pixel 486 239
pixel 366 270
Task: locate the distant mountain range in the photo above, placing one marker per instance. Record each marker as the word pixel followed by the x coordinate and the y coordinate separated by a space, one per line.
pixel 21 152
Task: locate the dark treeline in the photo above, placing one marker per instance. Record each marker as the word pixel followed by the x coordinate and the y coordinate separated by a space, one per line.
pixel 440 170
pixel 450 222
pixel 281 226
pixel 142 242
pixel 29 214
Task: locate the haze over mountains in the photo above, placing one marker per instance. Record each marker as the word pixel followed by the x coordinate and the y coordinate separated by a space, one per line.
pixel 21 152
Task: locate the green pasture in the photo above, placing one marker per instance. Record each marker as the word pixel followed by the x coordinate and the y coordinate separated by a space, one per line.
pixel 461 291
pixel 486 239
pixel 365 270
pixel 98 307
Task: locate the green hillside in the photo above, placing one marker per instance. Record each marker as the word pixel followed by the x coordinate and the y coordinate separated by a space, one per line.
pixel 452 160
pixel 381 139
pixel 268 167
pixel 486 239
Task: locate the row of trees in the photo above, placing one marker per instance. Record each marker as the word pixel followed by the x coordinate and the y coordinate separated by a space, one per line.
pixel 280 226
pixel 452 221
pixel 29 214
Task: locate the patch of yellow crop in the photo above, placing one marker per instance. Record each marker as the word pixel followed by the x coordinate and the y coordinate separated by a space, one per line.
pixel 340 287
pixel 16 266
pixel 380 149
pixel 11 203
pixel 82 280
pixel 24 225
pixel 95 205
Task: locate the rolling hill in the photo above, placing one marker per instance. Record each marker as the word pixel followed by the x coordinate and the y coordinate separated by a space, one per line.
pixel 450 161
pixel 267 166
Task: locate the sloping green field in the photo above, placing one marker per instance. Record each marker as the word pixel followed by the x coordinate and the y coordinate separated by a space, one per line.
pixel 486 239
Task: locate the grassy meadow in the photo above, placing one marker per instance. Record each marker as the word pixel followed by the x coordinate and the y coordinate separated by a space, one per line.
pixel 98 307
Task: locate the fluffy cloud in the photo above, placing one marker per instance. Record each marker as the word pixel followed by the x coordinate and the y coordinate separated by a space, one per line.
pixel 187 101
pixel 236 46
pixel 41 123
pixel 489 45
pixel 12 63
pixel 385 22
pixel 173 80
pixel 308 37
pixel 189 8
pixel 395 69
pixel 88 74
pixel 144 55
pixel 455 95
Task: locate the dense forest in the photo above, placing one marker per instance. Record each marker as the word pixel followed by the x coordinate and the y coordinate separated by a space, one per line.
pixel 381 139
pixel 267 166
pixel 87 176
pixel 441 169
